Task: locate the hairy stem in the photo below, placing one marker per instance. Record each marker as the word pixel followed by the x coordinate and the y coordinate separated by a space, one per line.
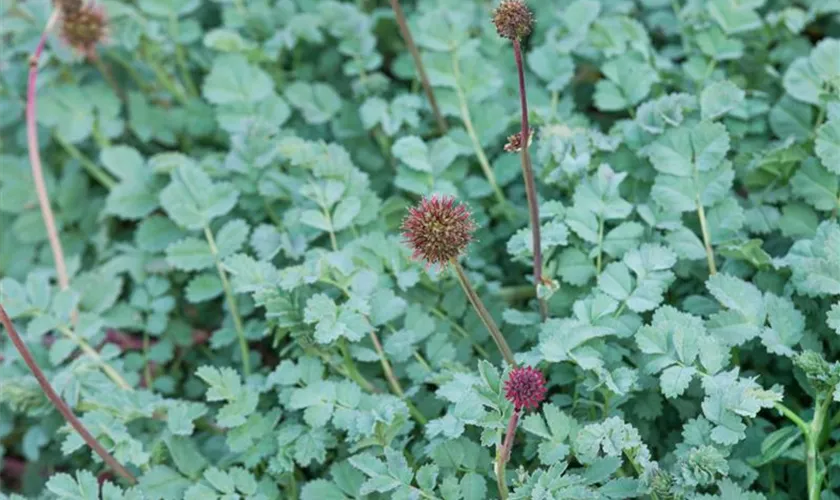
pixel 704 228
pixel 231 302
pixel 466 117
pixel 418 63
pixel 59 404
pixel 812 442
pixel 35 160
pixel 530 184
pixel 483 314
pixel 503 454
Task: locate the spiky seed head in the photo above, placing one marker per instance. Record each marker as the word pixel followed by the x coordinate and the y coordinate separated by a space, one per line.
pixel 438 229
pixel 85 28
pixel 514 142
pixel 513 19
pixel 525 388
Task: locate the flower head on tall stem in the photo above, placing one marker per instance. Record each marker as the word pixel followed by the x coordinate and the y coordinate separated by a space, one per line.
pixel 513 19
pixel 84 27
pixel 438 230
pixel 525 388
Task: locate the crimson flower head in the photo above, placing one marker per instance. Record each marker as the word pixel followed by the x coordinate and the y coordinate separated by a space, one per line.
pixel 525 387
pixel 82 28
pixel 438 229
pixel 513 19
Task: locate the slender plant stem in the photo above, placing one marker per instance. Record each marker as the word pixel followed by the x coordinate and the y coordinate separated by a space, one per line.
pixel 383 360
pixel 710 255
pixel 599 259
pixel 793 417
pixel 147 370
pixel 418 63
pixel 466 117
pixel 392 380
pixel 530 184
pixel 35 160
pixel 503 455
pixel 501 483
pixel 59 404
pixel 94 355
pixel 812 442
pixel 483 313
pixel 510 436
pixel 92 168
pixel 231 302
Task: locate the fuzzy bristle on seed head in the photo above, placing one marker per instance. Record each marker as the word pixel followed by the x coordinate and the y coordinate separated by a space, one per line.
pixel 525 388
pixel 84 28
pixel 438 229
pixel 513 19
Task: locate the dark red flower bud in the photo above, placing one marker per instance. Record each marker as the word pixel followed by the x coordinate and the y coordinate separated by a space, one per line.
pixel 525 387
pixel 438 230
pixel 513 19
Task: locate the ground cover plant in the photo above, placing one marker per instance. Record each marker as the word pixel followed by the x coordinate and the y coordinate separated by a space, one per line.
pixel 448 249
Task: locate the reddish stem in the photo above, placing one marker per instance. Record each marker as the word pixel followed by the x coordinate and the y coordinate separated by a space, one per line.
pixel 35 161
pixel 530 184
pixel 509 435
pixel 418 63
pixel 60 405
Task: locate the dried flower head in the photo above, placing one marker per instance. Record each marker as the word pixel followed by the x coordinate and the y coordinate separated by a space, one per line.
pixel 514 142
pixel 513 19
pixel 525 387
pixel 438 229
pixel 85 28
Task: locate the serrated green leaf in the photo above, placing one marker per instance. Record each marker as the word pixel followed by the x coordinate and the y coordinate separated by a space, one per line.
pixel 190 254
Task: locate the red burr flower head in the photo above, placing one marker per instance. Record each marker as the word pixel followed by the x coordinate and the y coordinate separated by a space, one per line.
pixel 83 28
pixel 525 387
pixel 438 229
pixel 513 19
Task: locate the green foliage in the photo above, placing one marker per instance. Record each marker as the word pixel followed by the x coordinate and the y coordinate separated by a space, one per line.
pixel 228 180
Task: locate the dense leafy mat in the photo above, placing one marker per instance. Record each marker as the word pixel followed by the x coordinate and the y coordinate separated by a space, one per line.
pixel 234 173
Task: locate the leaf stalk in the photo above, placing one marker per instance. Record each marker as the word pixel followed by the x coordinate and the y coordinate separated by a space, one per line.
pixel 418 63
pixel 231 302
